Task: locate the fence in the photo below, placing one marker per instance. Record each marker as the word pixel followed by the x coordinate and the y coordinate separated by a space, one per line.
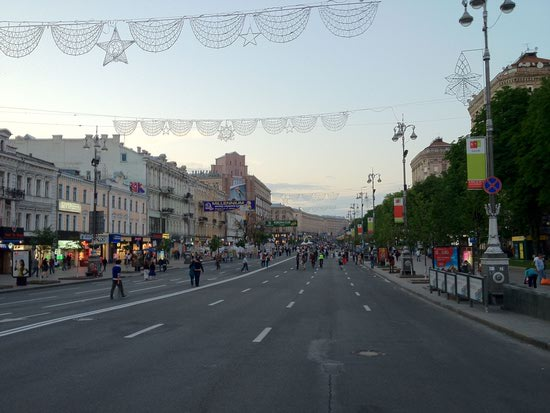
pixel 459 285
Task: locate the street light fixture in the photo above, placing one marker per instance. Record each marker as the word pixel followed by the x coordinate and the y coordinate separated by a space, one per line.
pixel 371 178
pixel 399 133
pixel 93 259
pixel 494 261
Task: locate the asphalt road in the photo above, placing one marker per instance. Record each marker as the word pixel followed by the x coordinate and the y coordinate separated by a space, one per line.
pixel 271 340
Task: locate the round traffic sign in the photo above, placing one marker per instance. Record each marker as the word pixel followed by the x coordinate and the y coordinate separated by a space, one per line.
pixel 492 185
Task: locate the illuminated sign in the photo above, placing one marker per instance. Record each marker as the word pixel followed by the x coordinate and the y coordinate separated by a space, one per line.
pixel 66 206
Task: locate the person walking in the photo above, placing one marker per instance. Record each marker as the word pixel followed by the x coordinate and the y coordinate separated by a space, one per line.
pixel 245 265
pixel 117 281
pixel 298 260
pixel 539 266
pixel 51 265
pixel 531 276
pixel 197 268
pixel 34 267
pixel 321 259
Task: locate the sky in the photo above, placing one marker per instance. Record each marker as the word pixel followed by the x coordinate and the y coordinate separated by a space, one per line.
pixel 394 71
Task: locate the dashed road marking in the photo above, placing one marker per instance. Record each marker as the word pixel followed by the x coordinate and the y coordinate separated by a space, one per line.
pixel 245 291
pixel 215 303
pixel 367 308
pixel 262 335
pixel 145 330
pixel 301 292
pixel 265 282
pixel 357 294
pixel 290 304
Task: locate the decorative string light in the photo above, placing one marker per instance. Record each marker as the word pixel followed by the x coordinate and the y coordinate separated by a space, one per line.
pixel 227 128
pixel 347 18
pixel 463 83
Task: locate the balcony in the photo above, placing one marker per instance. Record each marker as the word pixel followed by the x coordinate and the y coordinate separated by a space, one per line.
pixel 167 210
pixel 11 193
pixel 167 189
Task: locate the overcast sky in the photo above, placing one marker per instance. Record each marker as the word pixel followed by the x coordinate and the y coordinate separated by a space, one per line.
pixel 396 68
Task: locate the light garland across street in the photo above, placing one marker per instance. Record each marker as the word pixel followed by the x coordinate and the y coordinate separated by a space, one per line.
pixel 345 18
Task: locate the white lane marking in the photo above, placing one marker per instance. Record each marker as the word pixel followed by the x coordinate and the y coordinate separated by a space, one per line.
pixel 352 284
pixel 4 314
pixel 278 275
pixel 312 276
pixel 212 279
pixel 174 279
pixel 357 294
pixel 301 292
pixel 149 288
pixel 265 282
pixel 29 301
pixel 215 303
pixel 91 291
pixel 46 323
pixel 245 291
pixel 36 315
pixel 145 330
pixel 367 308
pixel 349 278
pixel 308 283
pixel 181 282
pixel 262 335
pixel 103 297
pixel 285 272
pixel 386 280
pixel 290 304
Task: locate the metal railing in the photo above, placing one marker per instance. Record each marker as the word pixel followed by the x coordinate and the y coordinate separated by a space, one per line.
pixel 11 193
pixel 461 286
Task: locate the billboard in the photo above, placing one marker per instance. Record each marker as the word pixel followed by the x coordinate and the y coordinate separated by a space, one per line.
pixel 446 258
pixel 220 206
pixel 237 189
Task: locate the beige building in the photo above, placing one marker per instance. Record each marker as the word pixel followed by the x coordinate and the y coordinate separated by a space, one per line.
pixel 431 161
pixel 308 224
pixel 527 72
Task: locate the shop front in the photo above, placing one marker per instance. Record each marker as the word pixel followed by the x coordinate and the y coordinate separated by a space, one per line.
pixel 100 245
pixel 10 237
pixel 115 247
pixel 68 248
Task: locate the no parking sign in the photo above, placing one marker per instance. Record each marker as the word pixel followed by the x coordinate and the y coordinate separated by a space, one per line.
pixel 492 185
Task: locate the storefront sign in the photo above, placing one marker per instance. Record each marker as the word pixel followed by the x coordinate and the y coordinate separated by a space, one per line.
pixel 67 206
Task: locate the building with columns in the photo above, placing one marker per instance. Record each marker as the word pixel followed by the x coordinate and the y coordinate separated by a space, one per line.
pixel 430 161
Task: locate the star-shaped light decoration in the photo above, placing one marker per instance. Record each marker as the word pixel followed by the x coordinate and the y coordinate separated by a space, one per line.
pixel 249 37
pixel 226 133
pixel 463 83
pixel 115 49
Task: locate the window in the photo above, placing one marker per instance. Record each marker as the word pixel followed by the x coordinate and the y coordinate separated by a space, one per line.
pixel 104 200
pixel 119 205
pixel 113 226
pixel 89 175
pixel 19 182
pixel 67 222
pixel 28 222
pixel 123 157
pixel 84 223
pixel 67 192
pixel 38 187
pixel 125 206
pixel 59 222
pixel 74 222
pixel 142 229
pixel 60 191
pixel 37 222
pixel 75 197
pixel 29 185
pixel 113 201
pixel 143 208
pixel 47 189
pixel 18 220
pixel 131 203
pixel 84 196
pixel 135 231
pixel 46 221
pixel 118 227
pixel 125 227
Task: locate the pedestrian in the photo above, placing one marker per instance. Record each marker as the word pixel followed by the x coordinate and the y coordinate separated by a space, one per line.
pixel 196 268
pixel 465 267
pixel 417 255
pixel 392 263
pixel 152 270
pixel 104 262
pixel 51 265
pixel 321 259
pixel 539 266
pixel 298 260
pixel 44 268
pixel 117 281
pixel 245 265
pixel 531 275
pixel 34 267
pixel 64 263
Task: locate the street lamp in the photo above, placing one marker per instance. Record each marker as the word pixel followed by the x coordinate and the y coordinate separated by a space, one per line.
pixel 494 262
pixel 371 178
pixel 399 133
pixel 97 142
pixel 362 196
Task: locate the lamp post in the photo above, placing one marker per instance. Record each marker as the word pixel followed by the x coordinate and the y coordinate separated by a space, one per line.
pixel 399 133
pixel 371 178
pixel 93 259
pixel 362 196
pixel 494 261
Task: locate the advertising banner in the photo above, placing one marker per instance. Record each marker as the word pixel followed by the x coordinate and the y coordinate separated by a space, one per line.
pixel 237 190
pixel 446 258
pixel 476 162
pixel 220 206
pixel 289 223
pixel 398 210
pixel 370 225
pixel 360 229
pixel 21 264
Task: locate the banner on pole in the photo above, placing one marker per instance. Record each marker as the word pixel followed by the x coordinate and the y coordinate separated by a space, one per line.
pixel 476 162
pixel 360 229
pixel 370 225
pixel 398 210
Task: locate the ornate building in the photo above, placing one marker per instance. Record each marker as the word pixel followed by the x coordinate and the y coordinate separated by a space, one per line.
pixel 431 161
pixel 527 71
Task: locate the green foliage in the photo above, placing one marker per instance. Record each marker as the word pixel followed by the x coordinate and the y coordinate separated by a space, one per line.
pixel 44 240
pixel 215 243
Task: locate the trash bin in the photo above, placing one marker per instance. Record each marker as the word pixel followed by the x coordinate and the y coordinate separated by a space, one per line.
pixel 21 281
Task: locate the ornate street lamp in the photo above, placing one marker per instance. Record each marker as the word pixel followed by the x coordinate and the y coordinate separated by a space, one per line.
pixel 399 133
pixel 494 261
pixel 93 259
pixel 362 196
pixel 371 178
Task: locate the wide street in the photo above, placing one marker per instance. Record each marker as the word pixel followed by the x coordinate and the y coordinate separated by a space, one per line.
pixel 271 340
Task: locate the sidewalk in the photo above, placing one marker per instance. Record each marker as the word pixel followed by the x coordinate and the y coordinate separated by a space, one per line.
pixel 528 329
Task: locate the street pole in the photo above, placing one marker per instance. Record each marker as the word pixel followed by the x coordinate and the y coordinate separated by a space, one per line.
pixel 371 178
pixel 361 195
pixel 399 133
pixel 494 262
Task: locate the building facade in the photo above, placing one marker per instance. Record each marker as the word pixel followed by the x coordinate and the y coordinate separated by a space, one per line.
pixel 430 161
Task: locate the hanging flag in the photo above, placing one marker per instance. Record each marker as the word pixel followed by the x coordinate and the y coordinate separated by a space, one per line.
pixel 476 162
pixel 370 225
pixel 398 210
pixel 360 229
pixel 137 187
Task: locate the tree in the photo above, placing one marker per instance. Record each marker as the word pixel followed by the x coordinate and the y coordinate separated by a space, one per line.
pixel 215 243
pixel 43 241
